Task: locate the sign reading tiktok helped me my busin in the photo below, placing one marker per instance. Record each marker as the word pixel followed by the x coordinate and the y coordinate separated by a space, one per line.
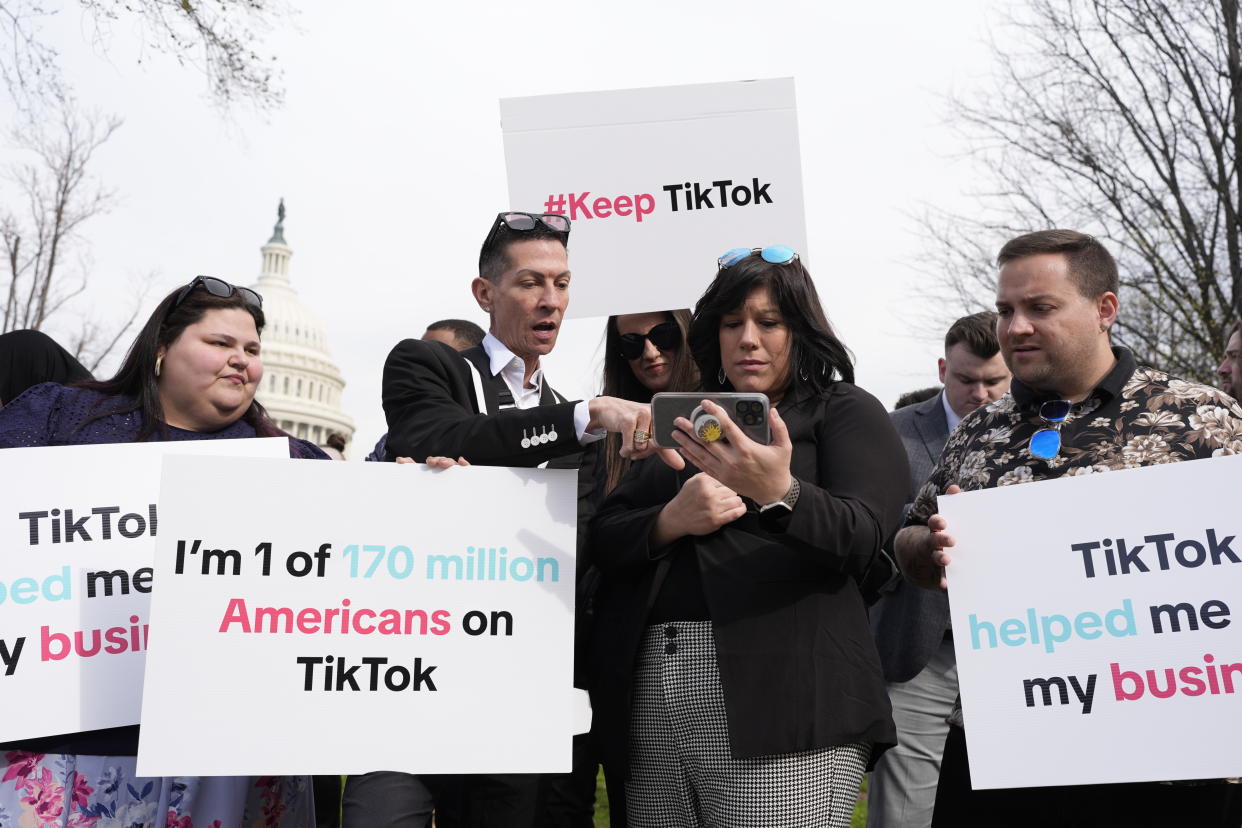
pixel 351 617
pixel 658 183
pixel 1095 629
pixel 78 542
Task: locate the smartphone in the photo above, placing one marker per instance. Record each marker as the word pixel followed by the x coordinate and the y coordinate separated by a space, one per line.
pixel 748 410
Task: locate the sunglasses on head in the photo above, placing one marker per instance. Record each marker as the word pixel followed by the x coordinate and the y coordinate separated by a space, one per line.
pixel 221 288
pixel 777 254
pixel 666 336
pixel 1046 443
pixel 522 222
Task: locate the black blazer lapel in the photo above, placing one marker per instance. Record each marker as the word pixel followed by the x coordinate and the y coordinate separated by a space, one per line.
pixel 496 395
pixel 548 396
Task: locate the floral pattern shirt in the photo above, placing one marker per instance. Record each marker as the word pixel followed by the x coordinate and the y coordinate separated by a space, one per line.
pixel 1137 416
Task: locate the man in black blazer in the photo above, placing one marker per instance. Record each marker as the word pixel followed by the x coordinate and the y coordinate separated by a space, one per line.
pixel 491 405
pixel 911 625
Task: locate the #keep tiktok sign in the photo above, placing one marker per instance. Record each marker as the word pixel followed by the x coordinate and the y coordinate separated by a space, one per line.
pixel 658 183
pixel 1097 628
pixel 350 617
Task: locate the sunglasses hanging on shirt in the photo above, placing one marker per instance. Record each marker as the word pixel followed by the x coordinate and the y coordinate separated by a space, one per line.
pixel 1046 443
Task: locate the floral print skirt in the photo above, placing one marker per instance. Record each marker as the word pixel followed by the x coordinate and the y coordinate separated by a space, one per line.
pixel 57 790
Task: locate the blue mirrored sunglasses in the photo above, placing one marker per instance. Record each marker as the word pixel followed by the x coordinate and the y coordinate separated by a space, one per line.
pixel 1046 443
pixel 777 254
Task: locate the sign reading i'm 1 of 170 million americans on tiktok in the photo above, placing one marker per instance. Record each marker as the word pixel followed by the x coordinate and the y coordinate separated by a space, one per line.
pixel 356 617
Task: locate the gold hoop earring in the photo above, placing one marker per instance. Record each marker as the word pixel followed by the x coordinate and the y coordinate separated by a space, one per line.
pixel 159 362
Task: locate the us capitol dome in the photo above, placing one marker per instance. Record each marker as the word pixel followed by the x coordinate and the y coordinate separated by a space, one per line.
pixel 301 387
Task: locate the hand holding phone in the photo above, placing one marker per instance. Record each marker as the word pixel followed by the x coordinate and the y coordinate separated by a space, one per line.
pixel 756 470
pixel 748 410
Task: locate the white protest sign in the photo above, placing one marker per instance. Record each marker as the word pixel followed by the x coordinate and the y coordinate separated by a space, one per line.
pixel 78 540
pixel 352 617
pixel 658 183
pixel 1093 620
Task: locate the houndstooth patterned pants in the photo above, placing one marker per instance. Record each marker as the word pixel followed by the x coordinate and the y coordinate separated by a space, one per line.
pixel 681 772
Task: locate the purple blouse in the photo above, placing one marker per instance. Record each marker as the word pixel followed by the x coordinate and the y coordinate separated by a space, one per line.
pixel 50 415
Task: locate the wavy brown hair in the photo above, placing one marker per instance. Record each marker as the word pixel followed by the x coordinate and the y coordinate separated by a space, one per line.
pixel 816 357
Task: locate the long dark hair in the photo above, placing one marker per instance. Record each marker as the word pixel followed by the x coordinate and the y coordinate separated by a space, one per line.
pixel 619 381
pixel 816 357
pixel 134 386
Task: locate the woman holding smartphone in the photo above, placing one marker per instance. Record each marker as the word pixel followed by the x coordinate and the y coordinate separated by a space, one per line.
pixel 738 683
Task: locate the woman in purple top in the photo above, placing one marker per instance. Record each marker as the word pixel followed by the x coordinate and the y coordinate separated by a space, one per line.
pixel 191 374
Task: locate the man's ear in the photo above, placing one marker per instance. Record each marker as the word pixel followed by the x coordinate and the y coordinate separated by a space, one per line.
pixel 942 365
pixel 1106 306
pixel 484 293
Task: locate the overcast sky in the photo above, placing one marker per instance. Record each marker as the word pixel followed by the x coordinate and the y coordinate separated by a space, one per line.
pixel 388 153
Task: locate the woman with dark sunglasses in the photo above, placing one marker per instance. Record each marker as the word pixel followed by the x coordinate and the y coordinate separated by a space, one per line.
pixel 191 374
pixel 644 354
pixel 737 681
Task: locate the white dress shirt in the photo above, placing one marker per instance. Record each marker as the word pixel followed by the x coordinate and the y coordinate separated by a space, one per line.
pixel 512 369
pixel 949 413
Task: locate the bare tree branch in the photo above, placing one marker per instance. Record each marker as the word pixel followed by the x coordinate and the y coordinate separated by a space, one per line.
pixel 57 195
pixel 1122 118
pixel 221 39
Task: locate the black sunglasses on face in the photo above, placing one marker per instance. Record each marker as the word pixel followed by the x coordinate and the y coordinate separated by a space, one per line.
pixel 666 336
pixel 218 287
pixel 522 222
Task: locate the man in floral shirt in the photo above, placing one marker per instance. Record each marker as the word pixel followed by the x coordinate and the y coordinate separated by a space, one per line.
pixel 1056 297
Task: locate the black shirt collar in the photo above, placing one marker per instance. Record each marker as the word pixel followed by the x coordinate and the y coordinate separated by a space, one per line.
pixel 1028 398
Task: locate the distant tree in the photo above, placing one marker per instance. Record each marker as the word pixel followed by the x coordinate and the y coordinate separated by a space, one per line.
pixel 42 243
pixel 220 38
pixel 1121 118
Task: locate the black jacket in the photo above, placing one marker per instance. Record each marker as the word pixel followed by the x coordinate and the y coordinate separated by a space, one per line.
pixel 797 663
pixel 431 407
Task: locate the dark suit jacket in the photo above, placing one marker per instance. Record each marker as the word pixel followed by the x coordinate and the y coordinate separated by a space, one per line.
pixel 909 622
pixel 797 665
pixel 431 408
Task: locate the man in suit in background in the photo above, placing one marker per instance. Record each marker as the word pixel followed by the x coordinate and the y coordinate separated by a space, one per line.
pixel 491 405
pixel 458 334
pixel 911 625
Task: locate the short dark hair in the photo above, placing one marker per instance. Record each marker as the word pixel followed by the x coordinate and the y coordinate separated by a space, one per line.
pixel 912 397
pixel 816 355
pixel 463 330
pixel 1233 329
pixel 494 254
pixel 1091 266
pixel 977 332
